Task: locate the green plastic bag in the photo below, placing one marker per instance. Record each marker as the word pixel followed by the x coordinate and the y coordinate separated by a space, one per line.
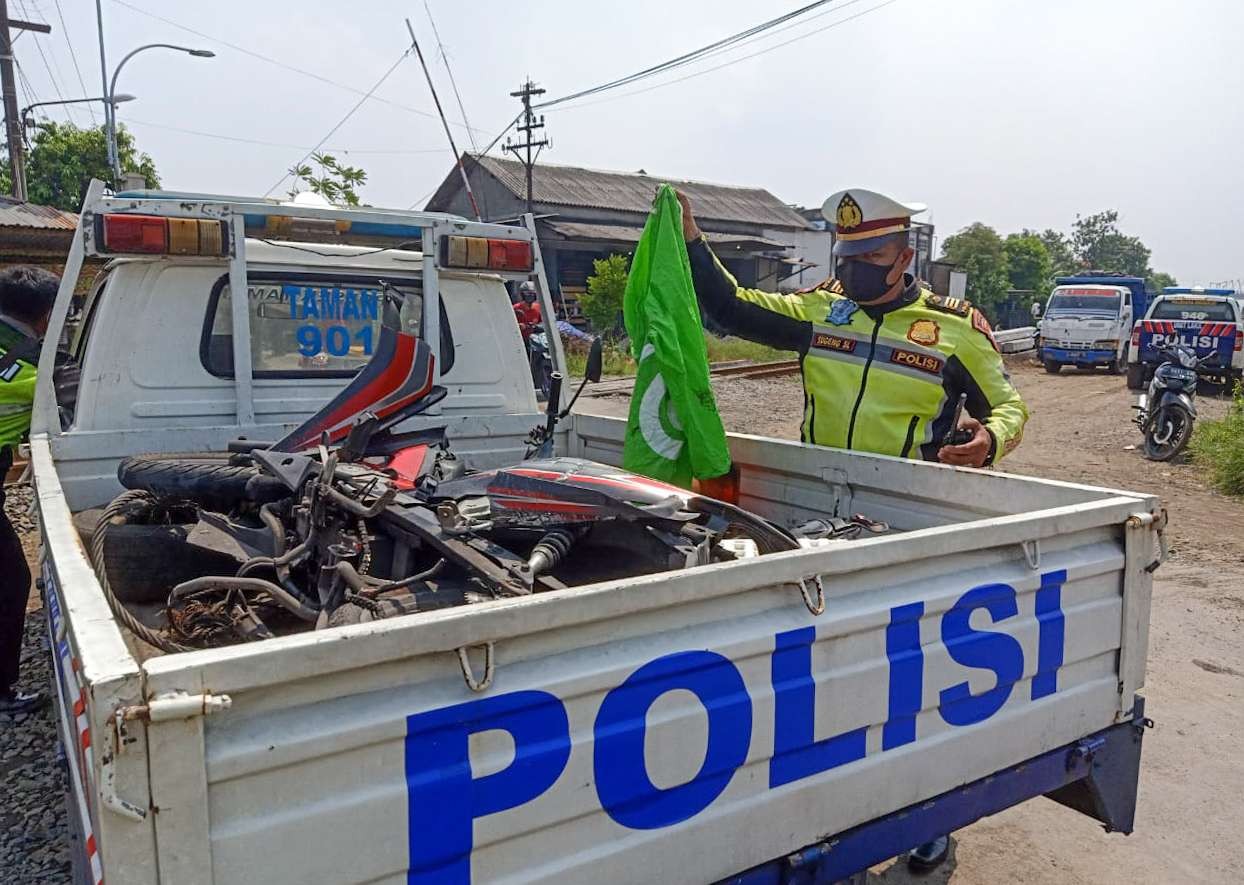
pixel 674 432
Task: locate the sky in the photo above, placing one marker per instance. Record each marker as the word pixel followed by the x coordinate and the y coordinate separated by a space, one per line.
pixel 1016 114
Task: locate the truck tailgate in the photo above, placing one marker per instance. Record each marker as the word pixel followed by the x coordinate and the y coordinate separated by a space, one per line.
pixel 678 727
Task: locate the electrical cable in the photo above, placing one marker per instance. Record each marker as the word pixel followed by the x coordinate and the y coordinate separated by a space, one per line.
pixel 272 61
pixel 685 58
pixel 74 58
pixel 51 77
pixel 278 144
pixel 744 58
pixel 358 104
pixel 449 71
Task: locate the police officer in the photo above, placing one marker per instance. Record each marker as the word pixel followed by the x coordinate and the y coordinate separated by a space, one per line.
pixel 26 298
pixel 884 360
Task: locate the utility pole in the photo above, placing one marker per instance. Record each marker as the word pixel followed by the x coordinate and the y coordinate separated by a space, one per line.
pixel 8 87
pixel 530 125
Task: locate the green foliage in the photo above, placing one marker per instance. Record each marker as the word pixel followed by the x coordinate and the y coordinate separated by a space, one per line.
pixel 336 182
pixel 1158 281
pixel 617 359
pixel 1100 245
pixel 602 302
pixel 1063 261
pixel 1219 445
pixel 63 159
pixel 979 250
pixel 721 350
pixel 1027 262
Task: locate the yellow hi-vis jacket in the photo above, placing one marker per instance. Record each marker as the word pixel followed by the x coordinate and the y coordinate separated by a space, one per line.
pixel 884 381
pixel 17 387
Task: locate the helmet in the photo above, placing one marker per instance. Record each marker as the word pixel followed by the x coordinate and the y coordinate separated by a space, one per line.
pixel 527 286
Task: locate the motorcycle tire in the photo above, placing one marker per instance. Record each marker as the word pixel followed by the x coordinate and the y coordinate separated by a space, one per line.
pixel 1053 366
pixel 1179 434
pixel 199 477
pixel 1136 376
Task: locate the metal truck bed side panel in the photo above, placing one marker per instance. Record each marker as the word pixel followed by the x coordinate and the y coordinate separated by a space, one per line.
pixel 696 723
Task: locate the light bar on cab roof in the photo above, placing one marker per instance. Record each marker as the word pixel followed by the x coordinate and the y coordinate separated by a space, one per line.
pixel 1196 290
pixel 123 234
pixel 480 253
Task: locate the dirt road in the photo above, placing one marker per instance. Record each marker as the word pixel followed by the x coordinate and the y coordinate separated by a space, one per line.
pixel 1188 827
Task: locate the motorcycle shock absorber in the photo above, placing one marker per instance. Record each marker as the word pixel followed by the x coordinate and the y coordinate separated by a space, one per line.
pixel 549 551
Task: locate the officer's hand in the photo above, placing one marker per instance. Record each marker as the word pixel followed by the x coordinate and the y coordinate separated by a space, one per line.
pixel 690 230
pixel 971 453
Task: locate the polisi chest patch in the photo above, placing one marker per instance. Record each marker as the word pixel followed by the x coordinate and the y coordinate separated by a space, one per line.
pixel 925 362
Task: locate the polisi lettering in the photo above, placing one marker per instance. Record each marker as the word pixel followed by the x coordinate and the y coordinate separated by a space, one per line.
pixel 923 361
pixel 1161 339
pixel 445 797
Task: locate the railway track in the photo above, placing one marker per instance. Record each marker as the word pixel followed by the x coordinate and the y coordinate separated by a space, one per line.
pixel 736 369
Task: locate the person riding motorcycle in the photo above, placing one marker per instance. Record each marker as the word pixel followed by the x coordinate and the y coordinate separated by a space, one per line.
pixel 527 310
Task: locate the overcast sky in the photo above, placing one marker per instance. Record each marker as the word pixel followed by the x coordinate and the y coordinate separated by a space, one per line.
pixel 1017 114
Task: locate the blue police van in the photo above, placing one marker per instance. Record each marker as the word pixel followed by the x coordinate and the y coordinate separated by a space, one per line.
pixel 1210 321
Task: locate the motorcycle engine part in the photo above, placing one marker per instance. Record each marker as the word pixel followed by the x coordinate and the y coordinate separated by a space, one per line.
pixel 549 551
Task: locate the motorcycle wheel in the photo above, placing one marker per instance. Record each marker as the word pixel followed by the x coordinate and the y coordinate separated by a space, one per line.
pixel 198 476
pixel 1168 433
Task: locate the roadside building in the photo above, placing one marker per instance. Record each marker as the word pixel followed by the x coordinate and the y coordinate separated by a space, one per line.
pixel 587 214
pixel 39 235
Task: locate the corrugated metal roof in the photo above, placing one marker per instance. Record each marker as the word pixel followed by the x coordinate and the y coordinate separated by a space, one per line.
pixel 29 215
pixel 620 233
pixel 633 192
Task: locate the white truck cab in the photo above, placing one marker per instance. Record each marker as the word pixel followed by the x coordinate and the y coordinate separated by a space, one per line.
pixel 1085 326
pixel 805 713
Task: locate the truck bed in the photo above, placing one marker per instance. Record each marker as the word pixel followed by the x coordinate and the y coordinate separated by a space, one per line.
pixel 682 726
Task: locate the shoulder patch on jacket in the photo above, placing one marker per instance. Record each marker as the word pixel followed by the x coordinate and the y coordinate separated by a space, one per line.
pixel 958 306
pixel 980 324
pixel 830 285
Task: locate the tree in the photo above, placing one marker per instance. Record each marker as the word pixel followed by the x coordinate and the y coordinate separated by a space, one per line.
pixel 979 250
pixel 63 159
pixel 1100 245
pixel 1158 281
pixel 1027 261
pixel 336 182
pixel 602 302
pixel 1063 261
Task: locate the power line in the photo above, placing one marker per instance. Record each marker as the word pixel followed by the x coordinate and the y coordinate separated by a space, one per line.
pixel 51 77
pixel 688 57
pixel 272 61
pixel 358 104
pixel 744 58
pixel 74 57
pixel 277 144
pixel 449 71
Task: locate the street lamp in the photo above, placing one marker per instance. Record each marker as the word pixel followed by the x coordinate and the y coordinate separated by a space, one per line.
pixel 114 153
pixel 25 114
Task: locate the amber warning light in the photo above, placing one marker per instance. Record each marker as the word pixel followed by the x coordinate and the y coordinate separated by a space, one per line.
pixel 479 253
pixel 154 235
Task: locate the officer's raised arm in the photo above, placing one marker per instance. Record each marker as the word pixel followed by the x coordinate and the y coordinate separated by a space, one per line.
pixel 764 317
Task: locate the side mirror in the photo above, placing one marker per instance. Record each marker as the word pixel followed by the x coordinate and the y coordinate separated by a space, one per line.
pixel 595 361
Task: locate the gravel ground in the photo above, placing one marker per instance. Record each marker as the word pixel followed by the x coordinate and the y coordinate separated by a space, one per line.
pixel 34 837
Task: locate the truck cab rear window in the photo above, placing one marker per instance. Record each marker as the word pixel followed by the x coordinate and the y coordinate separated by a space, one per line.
pixel 311 325
pixel 1205 311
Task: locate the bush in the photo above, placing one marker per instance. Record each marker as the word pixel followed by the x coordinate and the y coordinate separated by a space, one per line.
pixel 1219 445
pixel 602 302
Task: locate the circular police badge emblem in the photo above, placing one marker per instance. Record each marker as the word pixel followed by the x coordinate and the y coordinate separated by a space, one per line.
pixel 924 332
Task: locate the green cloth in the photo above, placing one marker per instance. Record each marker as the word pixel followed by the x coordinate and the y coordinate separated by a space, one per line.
pixel 17 392
pixel 674 432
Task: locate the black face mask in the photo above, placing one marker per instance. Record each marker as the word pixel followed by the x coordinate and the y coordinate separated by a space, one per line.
pixel 862 281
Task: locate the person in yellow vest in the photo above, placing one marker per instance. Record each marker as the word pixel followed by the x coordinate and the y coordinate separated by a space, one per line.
pixel 885 362
pixel 26 298
pixel 884 359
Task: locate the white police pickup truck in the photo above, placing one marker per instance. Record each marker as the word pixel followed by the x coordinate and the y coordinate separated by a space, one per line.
pixel 793 717
pixel 1209 321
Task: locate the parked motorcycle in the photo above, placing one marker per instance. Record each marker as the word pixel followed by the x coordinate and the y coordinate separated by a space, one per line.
pixel 1165 413
pixel 541 360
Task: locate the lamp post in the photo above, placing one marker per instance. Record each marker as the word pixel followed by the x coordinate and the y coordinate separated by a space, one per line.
pixel 25 114
pixel 114 154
